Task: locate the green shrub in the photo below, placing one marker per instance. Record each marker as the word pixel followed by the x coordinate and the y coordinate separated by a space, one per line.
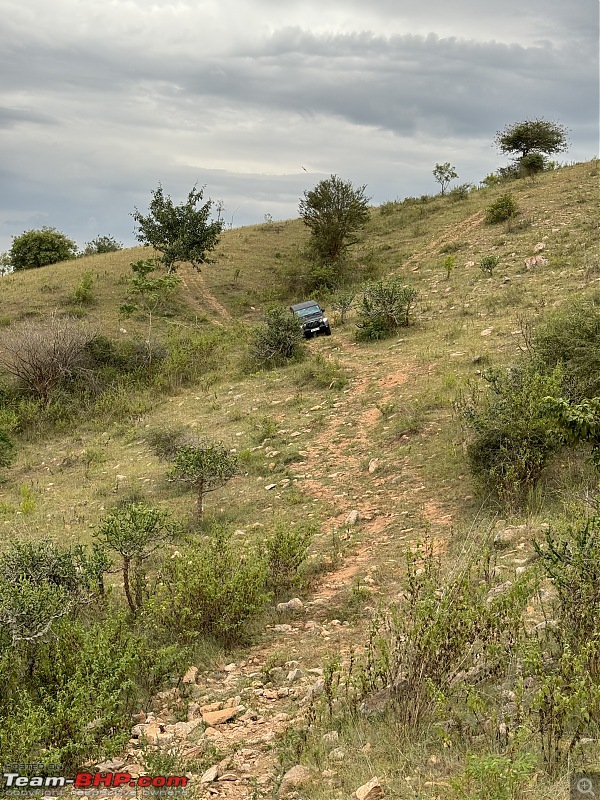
pixel 571 336
pixel 286 550
pixel 384 307
pixel 7 448
pixel 512 433
pixel 277 341
pixel 460 192
pixel 211 590
pixel 501 209
pixel 489 263
pixel 101 244
pixel 423 648
pixel 83 293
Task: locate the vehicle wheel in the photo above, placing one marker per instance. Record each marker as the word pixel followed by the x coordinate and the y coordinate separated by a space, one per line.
pixel 308 335
pixel 327 331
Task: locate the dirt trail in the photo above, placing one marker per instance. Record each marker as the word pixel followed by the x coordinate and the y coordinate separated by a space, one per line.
pixel 198 295
pixel 349 467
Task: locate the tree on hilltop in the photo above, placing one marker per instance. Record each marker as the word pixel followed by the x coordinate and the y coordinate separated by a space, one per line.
pixel 532 138
pixel 180 233
pixel 38 248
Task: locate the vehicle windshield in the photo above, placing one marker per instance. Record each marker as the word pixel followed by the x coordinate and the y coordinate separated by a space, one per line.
pixel 308 312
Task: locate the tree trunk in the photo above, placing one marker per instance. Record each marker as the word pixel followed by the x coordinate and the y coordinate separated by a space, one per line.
pixel 126 562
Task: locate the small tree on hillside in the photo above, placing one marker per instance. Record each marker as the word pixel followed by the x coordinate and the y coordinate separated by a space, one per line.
pixel 101 244
pixel 148 295
pixel 535 136
pixel 444 173
pixel 38 248
pixel 334 211
pixel 206 466
pixel 180 233
pixel 134 531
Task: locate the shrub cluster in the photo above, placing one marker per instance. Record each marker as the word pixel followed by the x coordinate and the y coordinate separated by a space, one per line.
pixel 384 307
pixel 277 341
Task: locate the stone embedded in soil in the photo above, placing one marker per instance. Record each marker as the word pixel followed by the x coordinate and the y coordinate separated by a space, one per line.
pixel 294 778
pixel 213 718
pixel 373 790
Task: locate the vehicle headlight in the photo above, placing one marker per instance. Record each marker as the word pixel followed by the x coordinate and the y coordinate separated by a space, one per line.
pixel 325 319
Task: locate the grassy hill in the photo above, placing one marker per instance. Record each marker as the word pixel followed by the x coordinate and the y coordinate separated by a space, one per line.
pixel 371 428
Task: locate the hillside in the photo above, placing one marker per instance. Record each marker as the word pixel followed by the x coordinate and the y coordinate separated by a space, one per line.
pixel 360 443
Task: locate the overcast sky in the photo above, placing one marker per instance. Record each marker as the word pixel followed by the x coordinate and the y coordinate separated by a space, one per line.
pixel 100 100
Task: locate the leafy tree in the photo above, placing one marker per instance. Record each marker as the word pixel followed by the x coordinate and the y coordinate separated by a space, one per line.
pixel 343 302
pixel 206 466
pixel 532 164
pixel 532 136
pixel 5 264
pixel 101 244
pixel 149 295
pixel 334 211
pixel 443 174
pixel 180 233
pixel 37 248
pixel 134 531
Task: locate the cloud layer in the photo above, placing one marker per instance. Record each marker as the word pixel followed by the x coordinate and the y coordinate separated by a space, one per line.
pixel 99 101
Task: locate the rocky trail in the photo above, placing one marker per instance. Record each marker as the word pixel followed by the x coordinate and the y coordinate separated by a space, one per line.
pixel 379 506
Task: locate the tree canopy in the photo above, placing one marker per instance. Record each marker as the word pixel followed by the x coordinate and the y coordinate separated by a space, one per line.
pixel 38 248
pixel 182 232
pixel 529 136
pixel 334 210
pixel 443 174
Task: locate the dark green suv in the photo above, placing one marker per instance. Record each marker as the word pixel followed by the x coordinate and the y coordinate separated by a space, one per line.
pixel 312 319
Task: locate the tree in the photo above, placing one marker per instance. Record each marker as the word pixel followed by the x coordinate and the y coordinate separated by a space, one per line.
pixel 149 295
pixel 334 211
pixel 38 248
pixel 101 244
pixel 134 531
pixel 532 136
pixel 180 233
pixel 384 307
pixel 206 466
pixel 444 173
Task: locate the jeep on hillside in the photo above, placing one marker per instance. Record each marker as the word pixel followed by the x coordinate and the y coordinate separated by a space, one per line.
pixel 312 319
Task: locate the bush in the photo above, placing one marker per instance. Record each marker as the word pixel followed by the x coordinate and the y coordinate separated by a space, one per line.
pixel 7 448
pixel 460 192
pixel 38 248
pixel 41 356
pixel 83 293
pixel 211 590
pixel 501 209
pixel 445 630
pixel 489 263
pixel 571 336
pixel 277 341
pixel 322 373
pixel 512 431
pixel 101 244
pixel 384 307
pixel 286 550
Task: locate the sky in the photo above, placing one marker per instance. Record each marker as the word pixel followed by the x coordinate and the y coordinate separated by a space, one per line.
pixel 102 100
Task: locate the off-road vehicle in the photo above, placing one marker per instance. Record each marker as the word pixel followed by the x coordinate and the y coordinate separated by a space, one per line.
pixel 312 319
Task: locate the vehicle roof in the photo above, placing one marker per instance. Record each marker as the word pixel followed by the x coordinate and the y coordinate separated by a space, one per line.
pixel 306 304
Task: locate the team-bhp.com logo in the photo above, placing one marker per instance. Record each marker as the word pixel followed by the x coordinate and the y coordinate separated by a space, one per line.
pixel 93 780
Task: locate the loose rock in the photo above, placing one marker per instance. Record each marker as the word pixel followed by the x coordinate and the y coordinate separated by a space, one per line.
pixel 372 790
